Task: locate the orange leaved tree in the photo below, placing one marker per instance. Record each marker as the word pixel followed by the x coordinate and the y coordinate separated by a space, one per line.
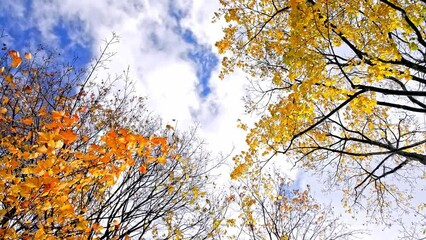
pixel 64 143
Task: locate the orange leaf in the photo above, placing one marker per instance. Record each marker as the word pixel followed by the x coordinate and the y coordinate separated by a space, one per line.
pixel 42 112
pixel 57 115
pixel 44 137
pixel 27 89
pixel 13 53
pixel 25 204
pixel 27 121
pixel 16 59
pixel 115 222
pixel 96 227
pixel 16 62
pixel 142 168
pixel 3 110
pixel 158 141
pixel 9 78
pixel 69 121
pixel 47 187
pixel 68 136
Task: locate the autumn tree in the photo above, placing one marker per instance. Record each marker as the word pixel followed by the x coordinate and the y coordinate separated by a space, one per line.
pixel 79 159
pixel 271 207
pixel 342 88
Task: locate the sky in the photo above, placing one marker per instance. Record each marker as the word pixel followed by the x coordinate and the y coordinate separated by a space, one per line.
pixel 168 47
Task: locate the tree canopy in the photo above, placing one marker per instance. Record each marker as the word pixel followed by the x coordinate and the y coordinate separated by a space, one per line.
pixel 343 86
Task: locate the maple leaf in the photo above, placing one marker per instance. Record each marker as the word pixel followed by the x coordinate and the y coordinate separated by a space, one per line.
pixel 68 136
pixel 27 121
pixel 58 115
pixel 16 59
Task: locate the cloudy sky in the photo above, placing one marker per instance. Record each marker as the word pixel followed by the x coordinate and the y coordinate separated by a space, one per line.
pixel 168 45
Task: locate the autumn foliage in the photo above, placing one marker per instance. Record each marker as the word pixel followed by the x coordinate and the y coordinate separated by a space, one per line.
pixel 60 149
pixel 340 86
pixel 270 206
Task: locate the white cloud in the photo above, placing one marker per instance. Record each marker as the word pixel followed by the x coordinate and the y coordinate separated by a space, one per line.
pixel 156 54
pixel 199 20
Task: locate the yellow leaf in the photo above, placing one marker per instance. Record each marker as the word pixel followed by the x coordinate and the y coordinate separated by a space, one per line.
pixel 42 112
pixel 27 170
pixel 216 223
pixel 81 225
pixel 285 237
pixel 40 234
pixel 9 79
pixel 27 56
pixel 162 160
pixel 42 149
pixel 195 191
pixel 238 171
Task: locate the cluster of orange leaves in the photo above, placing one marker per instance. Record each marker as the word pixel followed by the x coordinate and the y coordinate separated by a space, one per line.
pixel 47 173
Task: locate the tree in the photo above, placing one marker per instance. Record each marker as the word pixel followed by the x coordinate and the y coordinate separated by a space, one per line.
pixel 343 86
pixel 80 159
pixel 271 208
pixel 166 201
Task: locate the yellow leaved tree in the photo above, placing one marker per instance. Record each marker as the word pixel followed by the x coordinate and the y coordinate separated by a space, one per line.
pixel 270 206
pixel 343 86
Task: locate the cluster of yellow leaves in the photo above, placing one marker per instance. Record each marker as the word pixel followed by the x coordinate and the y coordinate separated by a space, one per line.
pixel 50 175
pixel 287 42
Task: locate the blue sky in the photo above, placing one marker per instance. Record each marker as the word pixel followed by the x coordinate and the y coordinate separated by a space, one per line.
pixel 22 35
pixel 23 32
